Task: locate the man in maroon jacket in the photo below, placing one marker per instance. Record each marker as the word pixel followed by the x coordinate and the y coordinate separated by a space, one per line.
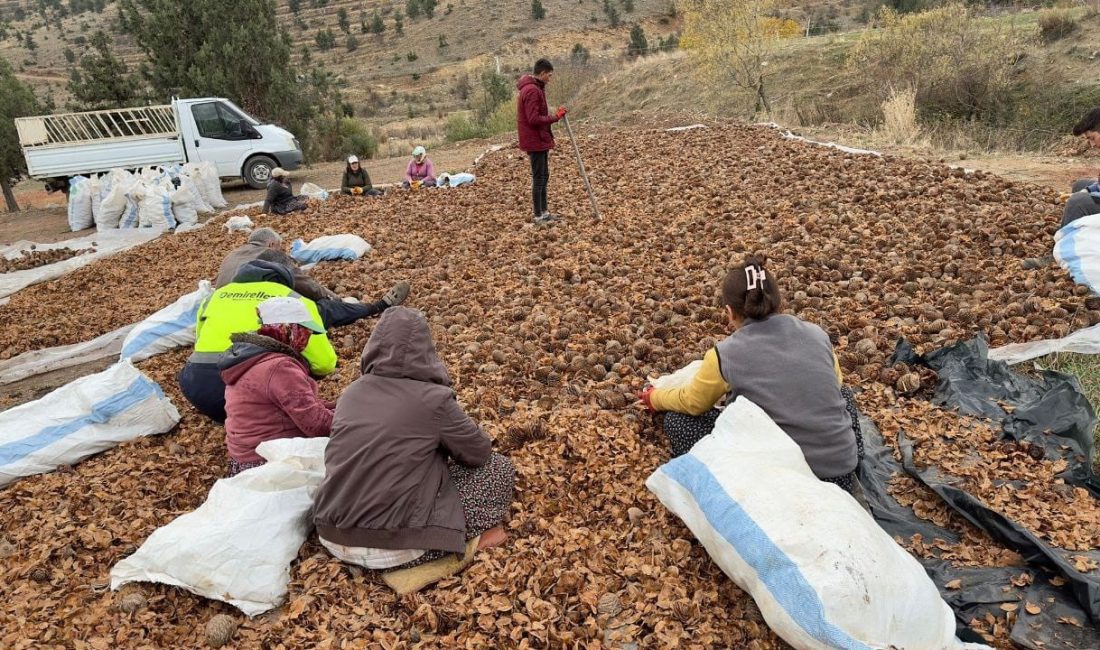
pixel 533 122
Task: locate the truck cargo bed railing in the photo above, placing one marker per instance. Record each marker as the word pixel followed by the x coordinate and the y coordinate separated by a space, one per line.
pixel 96 126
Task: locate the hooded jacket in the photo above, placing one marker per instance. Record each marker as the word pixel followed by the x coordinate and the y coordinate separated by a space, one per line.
pixel 533 118
pixel 232 310
pixel 252 251
pixel 386 481
pixel 268 395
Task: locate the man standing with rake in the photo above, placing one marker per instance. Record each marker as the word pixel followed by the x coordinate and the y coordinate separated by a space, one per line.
pixel 533 122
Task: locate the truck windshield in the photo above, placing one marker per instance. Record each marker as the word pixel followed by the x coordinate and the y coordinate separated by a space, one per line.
pixel 240 112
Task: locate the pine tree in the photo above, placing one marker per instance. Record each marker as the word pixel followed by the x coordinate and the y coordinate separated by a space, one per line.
pixel 295 6
pixel 102 80
pixel 538 12
pixel 202 48
pixel 399 23
pixel 376 24
pixel 429 7
pixel 412 7
pixel 342 20
pixel 16 100
pixel 638 46
pixel 352 43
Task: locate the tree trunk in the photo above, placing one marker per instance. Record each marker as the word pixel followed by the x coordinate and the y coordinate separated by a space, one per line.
pixel 762 98
pixel 9 196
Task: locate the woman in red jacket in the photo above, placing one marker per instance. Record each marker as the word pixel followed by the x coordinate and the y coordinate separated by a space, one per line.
pixel 268 391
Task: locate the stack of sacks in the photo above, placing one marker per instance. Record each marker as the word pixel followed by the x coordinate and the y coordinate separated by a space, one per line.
pixel 155 197
pixel 207 182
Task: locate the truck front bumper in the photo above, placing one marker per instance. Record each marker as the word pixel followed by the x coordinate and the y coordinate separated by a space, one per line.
pixel 289 160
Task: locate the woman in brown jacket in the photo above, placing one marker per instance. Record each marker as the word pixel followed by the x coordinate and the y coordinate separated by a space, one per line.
pixel 409 477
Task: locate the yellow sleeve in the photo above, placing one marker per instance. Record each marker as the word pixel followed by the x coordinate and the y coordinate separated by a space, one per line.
pixel 319 351
pixel 836 368
pixel 699 396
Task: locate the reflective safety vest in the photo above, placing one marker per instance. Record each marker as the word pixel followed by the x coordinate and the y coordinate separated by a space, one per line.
pixel 232 310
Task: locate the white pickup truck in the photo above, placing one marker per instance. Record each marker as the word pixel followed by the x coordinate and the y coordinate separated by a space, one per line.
pixel 212 129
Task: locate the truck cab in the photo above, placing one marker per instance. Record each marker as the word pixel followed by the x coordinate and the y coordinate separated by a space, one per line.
pixel 219 131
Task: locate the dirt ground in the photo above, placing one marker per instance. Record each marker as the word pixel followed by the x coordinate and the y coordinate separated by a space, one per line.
pixel 43 217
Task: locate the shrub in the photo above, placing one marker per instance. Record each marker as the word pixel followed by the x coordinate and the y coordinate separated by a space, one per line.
pixel 338 137
pixel 1056 24
pixel 538 12
pixel 352 43
pixel 325 40
pixel 579 55
pixel 638 45
pixel 502 120
pixel 899 118
pixel 957 65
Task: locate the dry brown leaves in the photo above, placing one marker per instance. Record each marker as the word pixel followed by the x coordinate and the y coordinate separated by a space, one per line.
pixel 32 259
pixel 546 332
pixel 1002 474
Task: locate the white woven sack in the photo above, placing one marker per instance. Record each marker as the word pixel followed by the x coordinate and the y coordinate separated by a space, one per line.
pixel 156 208
pixel 237 546
pixel 85 417
pixel 824 575
pixel 80 204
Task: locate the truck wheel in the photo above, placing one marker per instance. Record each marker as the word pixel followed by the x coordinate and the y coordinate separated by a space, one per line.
pixel 257 171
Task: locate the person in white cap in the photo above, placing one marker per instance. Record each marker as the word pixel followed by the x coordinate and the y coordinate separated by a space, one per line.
pixel 280 195
pixel 420 170
pixel 356 180
pixel 268 391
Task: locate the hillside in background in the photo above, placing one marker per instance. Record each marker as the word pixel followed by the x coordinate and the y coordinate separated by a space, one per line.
pixel 408 85
pixel 427 71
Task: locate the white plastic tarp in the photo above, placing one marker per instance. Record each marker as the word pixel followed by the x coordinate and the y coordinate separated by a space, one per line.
pixel 237 546
pixel 329 247
pixel 37 362
pixel 1084 341
pixel 107 243
pixel 85 417
pixel 823 573
pixel 167 329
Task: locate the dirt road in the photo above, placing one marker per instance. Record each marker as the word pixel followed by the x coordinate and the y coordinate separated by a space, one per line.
pixel 44 219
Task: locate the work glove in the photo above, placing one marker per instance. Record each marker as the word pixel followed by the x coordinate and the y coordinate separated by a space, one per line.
pixel 561 112
pixel 644 398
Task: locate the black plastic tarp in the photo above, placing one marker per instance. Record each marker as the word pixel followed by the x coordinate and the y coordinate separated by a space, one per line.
pixel 980 590
pixel 1050 411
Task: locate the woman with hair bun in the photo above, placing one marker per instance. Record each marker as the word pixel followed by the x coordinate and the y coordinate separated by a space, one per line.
pixel 781 363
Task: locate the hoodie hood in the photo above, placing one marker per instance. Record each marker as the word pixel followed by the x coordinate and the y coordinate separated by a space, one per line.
pixel 249 349
pixel 264 271
pixel 527 80
pixel 401 347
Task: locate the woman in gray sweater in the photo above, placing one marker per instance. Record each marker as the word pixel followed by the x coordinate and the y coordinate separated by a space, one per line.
pixel 781 363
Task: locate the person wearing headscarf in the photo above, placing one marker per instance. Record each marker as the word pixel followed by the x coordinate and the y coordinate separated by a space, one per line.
pixel 420 171
pixel 280 194
pixel 268 391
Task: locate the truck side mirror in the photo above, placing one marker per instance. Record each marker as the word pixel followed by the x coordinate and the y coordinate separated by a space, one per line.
pixel 248 130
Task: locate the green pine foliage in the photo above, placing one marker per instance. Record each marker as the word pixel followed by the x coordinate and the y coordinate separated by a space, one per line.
pixel 210 48
pixel 16 100
pixel 101 80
